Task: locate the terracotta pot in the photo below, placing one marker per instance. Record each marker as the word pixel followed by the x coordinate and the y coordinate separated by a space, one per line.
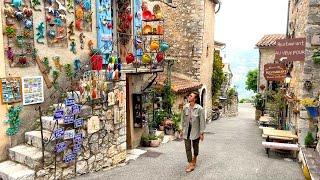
pixel 160 29
pixel 96 62
pixel 155 143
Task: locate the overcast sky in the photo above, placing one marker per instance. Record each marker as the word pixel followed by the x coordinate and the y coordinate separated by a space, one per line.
pixel 240 24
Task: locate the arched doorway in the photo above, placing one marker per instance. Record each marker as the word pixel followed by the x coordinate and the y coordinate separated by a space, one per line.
pixel 203 97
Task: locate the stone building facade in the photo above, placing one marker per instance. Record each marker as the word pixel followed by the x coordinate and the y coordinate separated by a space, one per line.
pixel 266 47
pixel 304 22
pixel 190 32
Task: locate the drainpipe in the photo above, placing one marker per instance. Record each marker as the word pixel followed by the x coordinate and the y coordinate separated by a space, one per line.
pixel 288 14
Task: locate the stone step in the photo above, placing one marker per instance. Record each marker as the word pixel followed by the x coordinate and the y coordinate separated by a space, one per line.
pixel 27 155
pixel 33 138
pixel 10 170
pixel 49 124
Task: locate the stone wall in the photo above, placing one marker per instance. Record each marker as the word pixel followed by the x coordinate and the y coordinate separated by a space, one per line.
pixel 189 29
pixel 266 56
pixel 304 22
pixel 184 28
pixel 29 114
pixel 103 148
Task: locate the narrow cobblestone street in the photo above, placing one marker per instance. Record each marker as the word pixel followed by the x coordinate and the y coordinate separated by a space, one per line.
pixel 232 150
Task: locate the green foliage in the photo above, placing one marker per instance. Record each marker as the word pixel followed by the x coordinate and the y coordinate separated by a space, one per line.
pixel 217 75
pixel 316 57
pixel 258 101
pixel 176 118
pixel 242 101
pixel 160 115
pixel 169 97
pixel 232 92
pixel 309 139
pixel 149 137
pixel 252 79
pixel 13 120
pixel 277 102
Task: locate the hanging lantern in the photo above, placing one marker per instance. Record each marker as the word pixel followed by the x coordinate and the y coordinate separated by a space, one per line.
pixel 129 58
pixel 146 59
pixel 160 57
pixel 164 46
pixel 154 45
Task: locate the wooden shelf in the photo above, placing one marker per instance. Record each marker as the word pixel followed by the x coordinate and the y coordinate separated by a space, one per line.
pixel 153 20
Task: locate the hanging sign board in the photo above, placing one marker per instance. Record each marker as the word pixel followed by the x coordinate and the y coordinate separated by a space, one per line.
pixel 275 72
pixel 290 50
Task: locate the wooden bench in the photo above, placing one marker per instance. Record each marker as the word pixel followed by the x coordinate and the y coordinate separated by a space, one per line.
pixel 282 146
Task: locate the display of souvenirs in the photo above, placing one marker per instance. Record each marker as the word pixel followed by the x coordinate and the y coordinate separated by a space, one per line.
pixel 32 90
pixel 105 26
pixel 83 15
pixel 10 90
pixel 18 30
pixel 56 27
pixel 149 42
pixel 111 99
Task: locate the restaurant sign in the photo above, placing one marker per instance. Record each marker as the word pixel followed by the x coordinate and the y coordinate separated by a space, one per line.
pixel 275 72
pixel 290 50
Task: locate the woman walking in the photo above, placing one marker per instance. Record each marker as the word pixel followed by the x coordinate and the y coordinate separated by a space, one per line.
pixel 193 125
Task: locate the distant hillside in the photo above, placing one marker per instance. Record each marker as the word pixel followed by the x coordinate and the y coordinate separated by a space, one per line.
pixel 241 62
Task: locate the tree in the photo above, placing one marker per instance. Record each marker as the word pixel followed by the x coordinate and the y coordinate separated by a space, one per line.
pixel 252 80
pixel 217 74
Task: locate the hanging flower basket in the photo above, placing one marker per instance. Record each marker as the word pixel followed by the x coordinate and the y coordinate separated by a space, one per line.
pixel 313 111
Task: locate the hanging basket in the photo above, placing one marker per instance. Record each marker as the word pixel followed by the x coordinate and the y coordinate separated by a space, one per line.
pixel 96 62
pixel 313 111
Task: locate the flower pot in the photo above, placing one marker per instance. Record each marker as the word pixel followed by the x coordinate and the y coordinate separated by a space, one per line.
pixel 258 114
pixel 145 143
pixel 313 111
pixel 161 128
pixel 169 131
pixel 96 62
pixel 155 143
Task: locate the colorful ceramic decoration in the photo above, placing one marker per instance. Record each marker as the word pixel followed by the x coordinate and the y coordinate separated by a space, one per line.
pixel 147 29
pixel 73 48
pixel 154 45
pixel 71 33
pixel 10 89
pixel 18 28
pixel 32 90
pixel 160 57
pixel 83 15
pixel 105 27
pixel 40 33
pixel 129 58
pixel 164 46
pixel 55 12
pixel 81 37
pixel 77 64
pixel 146 59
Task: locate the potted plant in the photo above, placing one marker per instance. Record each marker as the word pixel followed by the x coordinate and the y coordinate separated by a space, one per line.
pixel 96 59
pixel 150 140
pixel 259 105
pixel 311 106
pixel 309 140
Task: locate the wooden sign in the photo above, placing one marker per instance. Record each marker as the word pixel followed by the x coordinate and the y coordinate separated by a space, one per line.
pixel 11 90
pixel 275 72
pixel 290 50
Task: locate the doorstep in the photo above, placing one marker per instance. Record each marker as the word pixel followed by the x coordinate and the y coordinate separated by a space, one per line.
pixel 133 154
pixel 311 159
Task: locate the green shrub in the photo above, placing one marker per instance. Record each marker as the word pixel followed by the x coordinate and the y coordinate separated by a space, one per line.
pixel 309 139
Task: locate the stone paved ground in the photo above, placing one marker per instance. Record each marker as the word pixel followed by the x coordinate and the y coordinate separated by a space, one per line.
pixel 232 150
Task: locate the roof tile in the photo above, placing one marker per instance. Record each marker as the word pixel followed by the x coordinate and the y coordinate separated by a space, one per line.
pixel 270 40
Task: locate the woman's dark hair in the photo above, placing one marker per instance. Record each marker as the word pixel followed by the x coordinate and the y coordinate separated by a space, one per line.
pixel 197 96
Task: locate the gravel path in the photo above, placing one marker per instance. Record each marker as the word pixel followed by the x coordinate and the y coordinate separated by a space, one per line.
pixel 231 150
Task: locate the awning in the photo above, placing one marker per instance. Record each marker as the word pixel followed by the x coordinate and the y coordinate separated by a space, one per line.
pixel 178 84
